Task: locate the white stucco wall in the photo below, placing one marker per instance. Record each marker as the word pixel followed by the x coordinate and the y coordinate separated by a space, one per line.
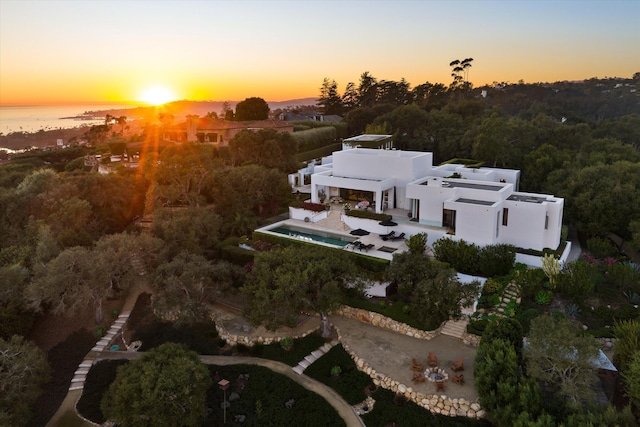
pixel 474 223
pixel 366 163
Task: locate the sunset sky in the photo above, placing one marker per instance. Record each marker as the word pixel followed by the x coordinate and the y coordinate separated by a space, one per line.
pixel 62 52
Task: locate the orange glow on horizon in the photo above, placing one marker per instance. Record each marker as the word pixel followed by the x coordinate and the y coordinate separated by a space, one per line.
pixel 157 95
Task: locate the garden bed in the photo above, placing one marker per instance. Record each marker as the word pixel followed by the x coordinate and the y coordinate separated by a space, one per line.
pixel 266 398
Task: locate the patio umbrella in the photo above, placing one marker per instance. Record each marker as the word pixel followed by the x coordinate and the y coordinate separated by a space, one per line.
pixel 388 223
pixel 359 232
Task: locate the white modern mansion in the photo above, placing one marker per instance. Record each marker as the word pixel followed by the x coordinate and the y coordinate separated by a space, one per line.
pixel 478 205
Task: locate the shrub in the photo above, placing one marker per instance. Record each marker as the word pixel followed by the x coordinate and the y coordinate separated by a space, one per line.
pixel 286 343
pixel 477 327
pixel 351 383
pixel 544 297
pixel 360 213
pixel 315 207
pixel 530 281
pixel 462 256
pixel 601 248
pixel 496 260
pixel 525 317
pixel 491 286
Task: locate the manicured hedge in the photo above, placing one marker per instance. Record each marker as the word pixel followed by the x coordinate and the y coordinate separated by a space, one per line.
pixel 361 213
pixel 363 261
pixel 465 257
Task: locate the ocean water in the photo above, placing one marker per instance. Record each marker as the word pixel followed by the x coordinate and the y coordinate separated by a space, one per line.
pixel 36 118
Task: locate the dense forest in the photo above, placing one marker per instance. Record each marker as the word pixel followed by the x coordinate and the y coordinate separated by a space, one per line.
pixel 64 228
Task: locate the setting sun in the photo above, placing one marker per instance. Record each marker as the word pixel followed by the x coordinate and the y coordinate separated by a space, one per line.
pixel 157 95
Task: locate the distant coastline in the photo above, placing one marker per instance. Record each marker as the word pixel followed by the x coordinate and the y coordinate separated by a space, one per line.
pixel 42 126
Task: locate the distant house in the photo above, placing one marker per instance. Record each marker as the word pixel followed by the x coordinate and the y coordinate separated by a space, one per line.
pixel 313 116
pixel 217 131
pixel 478 205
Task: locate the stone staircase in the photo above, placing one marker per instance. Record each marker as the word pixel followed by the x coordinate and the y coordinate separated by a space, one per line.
pixel 510 296
pixel 313 356
pixel 455 328
pixel 80 375
pixel 334 221
pixel 137 264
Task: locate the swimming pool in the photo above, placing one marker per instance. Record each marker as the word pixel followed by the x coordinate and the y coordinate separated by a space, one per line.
pixel 308 234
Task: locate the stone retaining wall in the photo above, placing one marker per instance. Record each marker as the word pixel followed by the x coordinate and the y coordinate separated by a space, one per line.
pixel 377 319
pixel 250 341
pixel 438 404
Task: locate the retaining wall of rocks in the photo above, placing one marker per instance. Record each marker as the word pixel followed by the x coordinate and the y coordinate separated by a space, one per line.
pixel 438 404
pixel 248 340
pixel 377 319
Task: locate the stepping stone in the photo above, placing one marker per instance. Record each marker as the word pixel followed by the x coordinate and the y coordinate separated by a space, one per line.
pixel 334 342
pixel 121 321
pixel 310 358
pixel 317 353
pixel 76 387
pixel 103 342
pixel 98 348
pixel 304 364
pixel 298 370
pixel 81 372
pixel 85 365
pixel 78 379
pixel 326 347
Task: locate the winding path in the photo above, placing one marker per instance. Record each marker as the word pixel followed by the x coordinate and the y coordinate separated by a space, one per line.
pixel 345 411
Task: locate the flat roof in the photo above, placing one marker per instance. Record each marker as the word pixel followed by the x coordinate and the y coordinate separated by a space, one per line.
pixel 470 185
pixel 526 198
pixel 475 202
pixel 366 138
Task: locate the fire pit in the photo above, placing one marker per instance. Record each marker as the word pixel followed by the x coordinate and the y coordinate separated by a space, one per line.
pixel 436 374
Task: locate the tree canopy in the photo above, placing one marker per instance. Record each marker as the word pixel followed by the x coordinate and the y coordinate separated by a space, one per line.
pixel 560 357
pixel 166 386
pixel 23 370
pixel 252 109
pixel 435 294
pixel 286 281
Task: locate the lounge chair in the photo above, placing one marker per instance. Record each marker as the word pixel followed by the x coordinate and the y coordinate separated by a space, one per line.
pixel 432 359
pixel 457 366
pixel 388 235
pixel 366 248
pixel 440 385
pixel 417 366
pixel 458 379
pixel 355 244
pixel 398 237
